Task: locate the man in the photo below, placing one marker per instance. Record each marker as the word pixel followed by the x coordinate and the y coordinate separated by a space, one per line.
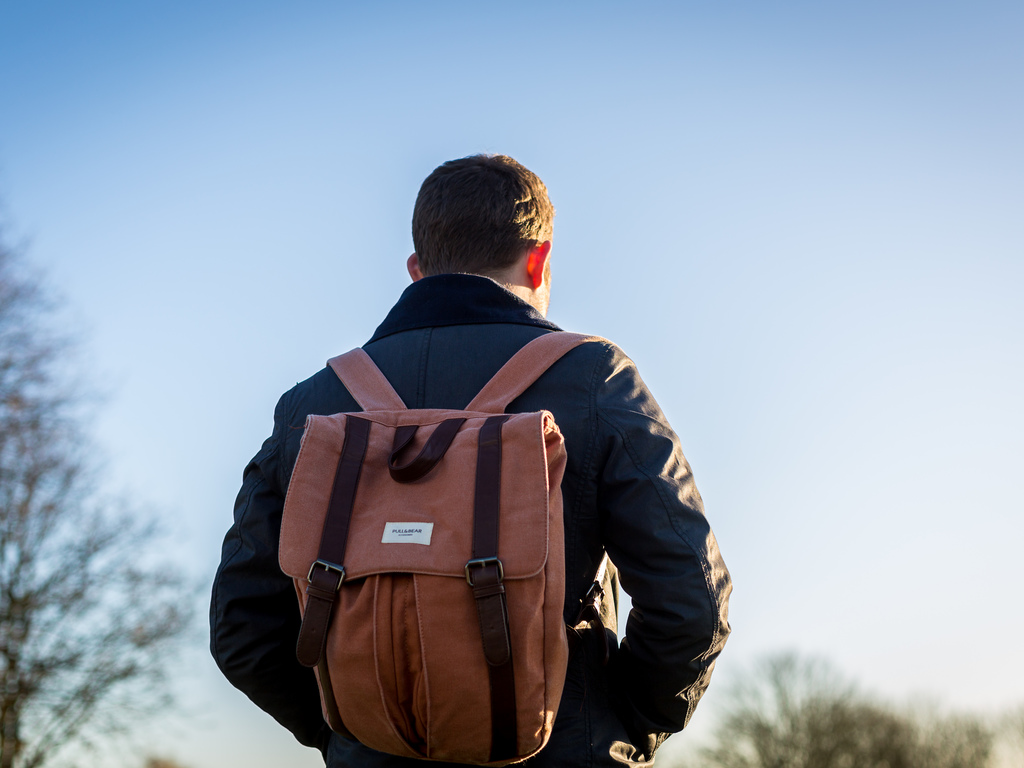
pixel 482 229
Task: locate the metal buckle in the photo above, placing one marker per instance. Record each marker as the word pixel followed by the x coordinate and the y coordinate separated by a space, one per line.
pixel 594 594
pixel 480 562
pixel 338 569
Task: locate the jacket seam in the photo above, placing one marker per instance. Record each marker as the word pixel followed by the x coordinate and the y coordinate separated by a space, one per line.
pixel 229 559
pixel 274 447
pixel 588 456
pixel 704 565
pixel 421 380
pixel 281 444
pixel 585 472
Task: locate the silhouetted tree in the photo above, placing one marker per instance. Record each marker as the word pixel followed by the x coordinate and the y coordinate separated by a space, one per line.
pixel 84 617
pixel 958 741
pixel 794 713
pixel 162 762
pixel 1012 729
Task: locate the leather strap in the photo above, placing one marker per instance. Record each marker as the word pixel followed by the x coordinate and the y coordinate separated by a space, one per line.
pixel 328 572
pixel 432 452
pixel 364 381
pixel 331 701
pixel 524 368
pixel 485 575
pixel 487 499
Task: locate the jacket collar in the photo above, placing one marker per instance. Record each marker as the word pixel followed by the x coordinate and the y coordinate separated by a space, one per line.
pixel 458 299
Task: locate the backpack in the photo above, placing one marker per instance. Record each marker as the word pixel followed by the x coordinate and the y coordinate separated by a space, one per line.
pixel 426 547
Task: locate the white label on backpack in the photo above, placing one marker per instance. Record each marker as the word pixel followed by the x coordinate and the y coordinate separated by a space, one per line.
pixel 407 533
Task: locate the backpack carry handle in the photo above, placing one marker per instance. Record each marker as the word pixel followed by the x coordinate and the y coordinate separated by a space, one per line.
pixel 433 451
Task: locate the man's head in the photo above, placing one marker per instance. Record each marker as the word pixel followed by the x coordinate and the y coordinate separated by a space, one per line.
pixel 479 214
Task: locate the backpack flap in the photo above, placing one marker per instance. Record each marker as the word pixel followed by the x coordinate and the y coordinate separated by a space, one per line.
pixel 425 526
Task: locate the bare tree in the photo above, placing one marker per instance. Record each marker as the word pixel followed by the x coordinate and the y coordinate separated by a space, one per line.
pixel 955 741
pixel 792 713
pixel 162 762
pixel 1012 731
pixel 797 713
pixel 84 618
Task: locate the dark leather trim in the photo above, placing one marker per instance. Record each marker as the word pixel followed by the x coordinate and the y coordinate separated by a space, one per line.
pixel 489 591
pixel 487 500
pixel 325 581
pixel 431 453
pixel 330 700
pixel 334 538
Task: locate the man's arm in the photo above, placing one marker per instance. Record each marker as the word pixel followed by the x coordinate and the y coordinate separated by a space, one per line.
pixel 254 613
pixel 668 560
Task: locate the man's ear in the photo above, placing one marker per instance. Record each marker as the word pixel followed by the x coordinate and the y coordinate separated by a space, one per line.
pixel 413 265
pixel 535 261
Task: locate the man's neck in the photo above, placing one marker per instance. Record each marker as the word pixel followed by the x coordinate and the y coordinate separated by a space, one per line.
pixel 536 299
pixel 515 282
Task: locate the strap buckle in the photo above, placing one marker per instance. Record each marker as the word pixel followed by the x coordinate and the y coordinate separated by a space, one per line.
pixel 327 566
pixel 481 562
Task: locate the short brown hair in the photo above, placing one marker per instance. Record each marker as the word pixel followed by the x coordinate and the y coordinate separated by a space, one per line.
pixel 477 214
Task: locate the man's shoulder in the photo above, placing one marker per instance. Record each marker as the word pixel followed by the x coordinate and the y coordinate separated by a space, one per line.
pixel 588 368
pixel 598 358
pixel 321 393
pixel 580 383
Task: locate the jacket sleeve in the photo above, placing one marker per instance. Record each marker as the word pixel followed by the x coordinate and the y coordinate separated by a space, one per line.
pixel 254 614
pixel 667 557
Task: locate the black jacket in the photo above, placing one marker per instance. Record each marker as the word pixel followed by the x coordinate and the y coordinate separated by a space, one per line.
pixel 627 489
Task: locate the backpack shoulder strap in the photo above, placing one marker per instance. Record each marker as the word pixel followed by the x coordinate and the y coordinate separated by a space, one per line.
pixel 524 368
pixel 364 381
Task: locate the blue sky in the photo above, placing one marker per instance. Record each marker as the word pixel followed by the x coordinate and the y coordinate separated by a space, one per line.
pixel 802 220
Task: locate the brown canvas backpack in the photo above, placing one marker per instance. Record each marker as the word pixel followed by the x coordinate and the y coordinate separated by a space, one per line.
pixel 427 552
